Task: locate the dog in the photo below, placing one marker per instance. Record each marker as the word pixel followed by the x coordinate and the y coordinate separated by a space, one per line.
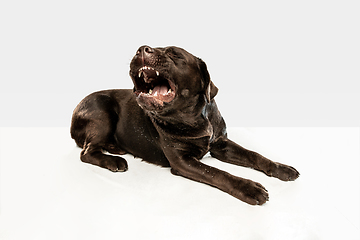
pixel 170 119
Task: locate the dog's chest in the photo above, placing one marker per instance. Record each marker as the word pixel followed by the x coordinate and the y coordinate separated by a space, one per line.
pixel 193 140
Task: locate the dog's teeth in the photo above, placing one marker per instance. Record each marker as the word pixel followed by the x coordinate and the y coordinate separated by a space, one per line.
pixel 150 91
pixel 147 68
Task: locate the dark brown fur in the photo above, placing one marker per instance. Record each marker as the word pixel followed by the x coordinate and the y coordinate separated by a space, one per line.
pixel 174 129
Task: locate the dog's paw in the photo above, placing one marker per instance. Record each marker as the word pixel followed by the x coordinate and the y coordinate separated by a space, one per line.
pixel 284 172
pixel 115 164
pixel 250 192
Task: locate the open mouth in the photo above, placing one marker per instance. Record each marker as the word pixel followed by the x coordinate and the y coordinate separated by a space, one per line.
pixel 153 86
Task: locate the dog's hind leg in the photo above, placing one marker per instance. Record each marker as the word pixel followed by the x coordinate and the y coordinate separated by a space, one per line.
pixel 93 127
pixel 228 151
pixel 94 155
pixel 97 139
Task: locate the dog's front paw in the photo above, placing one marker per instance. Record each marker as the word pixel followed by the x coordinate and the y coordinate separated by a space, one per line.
pixel 284 172
pixel 250 192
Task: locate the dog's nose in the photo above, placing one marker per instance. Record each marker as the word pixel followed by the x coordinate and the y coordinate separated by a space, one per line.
pixel 145 50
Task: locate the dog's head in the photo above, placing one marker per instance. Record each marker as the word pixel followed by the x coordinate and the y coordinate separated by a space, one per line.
pixel 169 78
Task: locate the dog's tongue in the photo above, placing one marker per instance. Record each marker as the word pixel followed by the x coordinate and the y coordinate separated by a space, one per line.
pixel 160 90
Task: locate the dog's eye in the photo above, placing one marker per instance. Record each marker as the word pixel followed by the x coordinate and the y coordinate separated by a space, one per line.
pixel 174 56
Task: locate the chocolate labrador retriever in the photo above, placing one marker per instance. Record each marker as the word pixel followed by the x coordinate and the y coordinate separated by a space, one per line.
pixel 170 118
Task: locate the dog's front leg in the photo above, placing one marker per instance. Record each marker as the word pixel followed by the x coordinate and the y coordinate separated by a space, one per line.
pixel 243 189
pixel 230 152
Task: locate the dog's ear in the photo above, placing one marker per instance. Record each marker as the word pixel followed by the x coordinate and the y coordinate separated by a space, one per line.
pixel 211 91
pixel 209 87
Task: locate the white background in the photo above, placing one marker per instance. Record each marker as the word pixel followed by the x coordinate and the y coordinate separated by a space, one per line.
pixel 276 63
pixel 48 193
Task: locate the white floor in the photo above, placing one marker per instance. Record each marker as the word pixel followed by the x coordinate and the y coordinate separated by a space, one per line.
pixel 46 192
